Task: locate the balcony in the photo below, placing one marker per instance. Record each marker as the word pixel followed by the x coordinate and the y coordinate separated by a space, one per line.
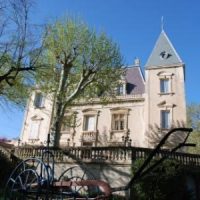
pixel 88 136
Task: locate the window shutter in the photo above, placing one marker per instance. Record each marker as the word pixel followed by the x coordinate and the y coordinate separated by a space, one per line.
pixel 165 121
pixel 34 130
pixel 91 123
pixel 164 85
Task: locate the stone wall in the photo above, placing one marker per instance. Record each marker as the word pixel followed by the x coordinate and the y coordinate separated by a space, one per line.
pixel 116 175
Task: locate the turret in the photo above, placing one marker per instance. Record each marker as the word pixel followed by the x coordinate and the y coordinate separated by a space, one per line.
pixel 165 105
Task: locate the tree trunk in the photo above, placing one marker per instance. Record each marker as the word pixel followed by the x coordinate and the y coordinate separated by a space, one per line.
pixel 58 109
pixel 56 124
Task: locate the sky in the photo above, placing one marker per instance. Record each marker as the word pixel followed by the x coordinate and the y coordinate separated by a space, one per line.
pixel 135 25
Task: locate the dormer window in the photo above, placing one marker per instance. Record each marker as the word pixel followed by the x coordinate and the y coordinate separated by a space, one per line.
pixel 120 90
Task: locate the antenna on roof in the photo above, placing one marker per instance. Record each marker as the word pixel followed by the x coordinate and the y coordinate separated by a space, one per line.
pixel 162 23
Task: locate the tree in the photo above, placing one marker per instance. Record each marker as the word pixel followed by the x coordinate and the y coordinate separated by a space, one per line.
pixel 79 64
pixel 193 120
pixel 17 42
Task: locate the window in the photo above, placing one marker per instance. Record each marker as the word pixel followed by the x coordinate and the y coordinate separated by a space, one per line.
pixel 34 132
pixel 39 100
pixel 120 90
pixel 118 122
pixel 166 83
pixel 165 119
pixel 89 123
pixel 164 86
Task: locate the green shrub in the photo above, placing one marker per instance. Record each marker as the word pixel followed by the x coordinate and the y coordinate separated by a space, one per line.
pixel 6 167
pixel 167 181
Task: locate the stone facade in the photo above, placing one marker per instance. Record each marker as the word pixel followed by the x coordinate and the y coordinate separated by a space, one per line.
pixel 158 100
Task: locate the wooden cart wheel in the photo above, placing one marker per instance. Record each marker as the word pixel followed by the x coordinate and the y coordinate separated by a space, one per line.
pixel 25 186
pixel 77 173
pixel 29 180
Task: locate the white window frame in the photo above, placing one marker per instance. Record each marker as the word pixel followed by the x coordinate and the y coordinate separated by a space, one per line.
pixel 168 77
pixel 34 130
pixel 164 106
pixel 89 123
pixel 164 85
pixel 118 122
pixel 119 111
pixel 165 119
pixel 120 90
pixel 90 113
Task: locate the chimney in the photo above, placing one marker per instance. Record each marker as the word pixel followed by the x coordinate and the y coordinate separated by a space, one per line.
pixel 137 62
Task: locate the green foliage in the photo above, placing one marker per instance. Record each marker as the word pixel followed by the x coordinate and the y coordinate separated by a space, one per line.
pixel 167 181
pixel 15 51
pixel 116 197
pixel 193 120
pixel 77 64
pixel 193 116
pixel 11 89
pixel 16 93
pixel 74 51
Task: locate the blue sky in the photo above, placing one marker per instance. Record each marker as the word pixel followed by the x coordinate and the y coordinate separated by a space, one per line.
pixel 135 25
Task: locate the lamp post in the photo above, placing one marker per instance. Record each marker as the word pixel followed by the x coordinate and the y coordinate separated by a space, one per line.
pixel 68 141
pixel 126 140
pixel 49 141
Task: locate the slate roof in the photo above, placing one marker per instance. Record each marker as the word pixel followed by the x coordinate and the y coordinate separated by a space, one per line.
pixel 163 54
pixel 134 80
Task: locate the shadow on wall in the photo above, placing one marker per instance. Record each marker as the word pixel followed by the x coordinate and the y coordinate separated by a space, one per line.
pixel 103 137
pixel 155 134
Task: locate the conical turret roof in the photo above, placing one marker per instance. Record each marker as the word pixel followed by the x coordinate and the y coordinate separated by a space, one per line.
pixel 163 54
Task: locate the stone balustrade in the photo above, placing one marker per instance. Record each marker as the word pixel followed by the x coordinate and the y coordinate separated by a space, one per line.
pixel 111 155
pixel 121 98
pixel 89 136
pixel 5 149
